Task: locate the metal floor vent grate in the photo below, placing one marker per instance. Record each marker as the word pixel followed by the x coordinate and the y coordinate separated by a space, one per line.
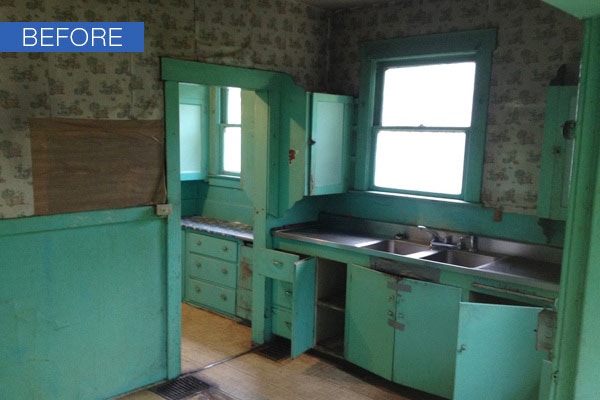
pixel 180 388
pixel 277 350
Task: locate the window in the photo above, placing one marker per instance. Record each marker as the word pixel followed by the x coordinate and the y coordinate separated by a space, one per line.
pixel 425 114
pixel 230 130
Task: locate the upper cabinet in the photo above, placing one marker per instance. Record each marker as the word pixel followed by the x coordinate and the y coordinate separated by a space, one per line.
pixel 557 152
pixel 577 8
pixel 330 127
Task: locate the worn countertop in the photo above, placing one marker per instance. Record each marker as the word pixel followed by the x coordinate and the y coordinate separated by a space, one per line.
pixel 216 226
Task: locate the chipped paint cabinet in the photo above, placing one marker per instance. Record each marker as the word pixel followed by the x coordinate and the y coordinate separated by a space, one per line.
pixel 402 329
pixel 330 127
pixel 420 334
pixel 557 153
pixel 217 270
pixel 284 298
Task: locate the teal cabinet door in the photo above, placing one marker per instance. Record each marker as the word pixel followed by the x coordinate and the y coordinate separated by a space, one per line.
pixel 329 143
pixel 496 353
pixel 370 309
pixel 426 334
pixel 557 153
pixel 193 131
pixel 303 307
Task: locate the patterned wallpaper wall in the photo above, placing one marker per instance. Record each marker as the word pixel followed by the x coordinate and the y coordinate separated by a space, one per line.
pixel 277 35
pixel 534 39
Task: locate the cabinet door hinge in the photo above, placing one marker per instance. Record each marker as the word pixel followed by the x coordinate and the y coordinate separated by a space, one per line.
pixel 546 330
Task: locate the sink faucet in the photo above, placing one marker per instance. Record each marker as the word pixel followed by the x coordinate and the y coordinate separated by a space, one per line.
pixel 437 241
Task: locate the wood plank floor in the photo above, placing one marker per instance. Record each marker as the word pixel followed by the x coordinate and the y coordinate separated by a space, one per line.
pixel 208 338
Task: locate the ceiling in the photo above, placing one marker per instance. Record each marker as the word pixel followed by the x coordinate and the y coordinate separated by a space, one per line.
pixel 335 4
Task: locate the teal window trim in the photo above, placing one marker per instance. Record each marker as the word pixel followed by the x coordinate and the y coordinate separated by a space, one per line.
pixel 218 123
pixel 476 45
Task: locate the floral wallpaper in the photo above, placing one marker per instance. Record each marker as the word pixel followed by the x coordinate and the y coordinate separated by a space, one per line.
pixel 317 48
pixel 534 40
pixel 277 35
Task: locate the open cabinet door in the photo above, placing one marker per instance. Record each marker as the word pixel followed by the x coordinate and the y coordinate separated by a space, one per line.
pixel 303 307
pixel 496 355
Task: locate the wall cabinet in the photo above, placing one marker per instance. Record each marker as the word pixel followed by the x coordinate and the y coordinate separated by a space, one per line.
pixel 218 274
pixel 420 334
pixel 330 123
pixel 557 153
pixel 284 298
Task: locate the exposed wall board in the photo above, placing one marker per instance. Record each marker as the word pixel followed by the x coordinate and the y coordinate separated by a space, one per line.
pixel 81 165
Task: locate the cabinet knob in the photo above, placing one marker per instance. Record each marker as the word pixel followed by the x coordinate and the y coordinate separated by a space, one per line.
pixel 199 242
pixel 197 289
pixel 223 296
pixel 288 292
pixel 390 313
pixel 462 348
pixel 225 248
pixel 288 324
pixel 198 264
pixel 225 271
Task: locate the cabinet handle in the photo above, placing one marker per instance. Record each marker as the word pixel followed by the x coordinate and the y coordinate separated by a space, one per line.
pixel 198 264
pixel 462 348
pixel 199 242
pixel 288 292
pixel 225 271
pixel 223 296
pixel 288 324
pixel 390 313
pixel 277 263
pixel 197 289
pixel 225 248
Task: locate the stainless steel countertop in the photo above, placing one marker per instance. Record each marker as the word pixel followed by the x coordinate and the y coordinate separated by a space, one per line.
pixel 540 274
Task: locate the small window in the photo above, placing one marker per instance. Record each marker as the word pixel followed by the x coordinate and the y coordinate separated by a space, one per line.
pixel 231 131
pixel 426 114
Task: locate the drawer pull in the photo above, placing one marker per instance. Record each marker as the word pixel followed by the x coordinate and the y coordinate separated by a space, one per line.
pixel 199 242
pixel 225 248
pixel 278 263
pixel 288 324
pixel 390 313
pixel 198 264
pixel 197 289
pixel 223 297
pixel 225 271
pixel 288 293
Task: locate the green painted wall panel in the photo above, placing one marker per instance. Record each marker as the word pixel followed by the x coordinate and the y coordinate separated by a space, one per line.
pixel 82 310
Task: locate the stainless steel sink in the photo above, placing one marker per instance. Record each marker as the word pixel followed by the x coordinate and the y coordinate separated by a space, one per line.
pixel 461 258
pixel 397 247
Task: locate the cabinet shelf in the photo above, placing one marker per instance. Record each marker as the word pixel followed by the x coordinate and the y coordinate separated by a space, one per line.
pixel 337 303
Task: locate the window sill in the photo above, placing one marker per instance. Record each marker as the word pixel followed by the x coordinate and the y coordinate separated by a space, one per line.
pixel 226 181
pixel 418 197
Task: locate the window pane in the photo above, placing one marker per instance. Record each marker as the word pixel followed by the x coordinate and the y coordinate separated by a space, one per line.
pixel 438 95
pixel 234 106
pixel 420 161
pixel 232 149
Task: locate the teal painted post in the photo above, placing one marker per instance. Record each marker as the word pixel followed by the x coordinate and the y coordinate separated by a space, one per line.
pixel 578 343
pixel 173 261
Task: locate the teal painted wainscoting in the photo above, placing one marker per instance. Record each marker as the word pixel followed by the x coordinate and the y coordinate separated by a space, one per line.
pixel 83 304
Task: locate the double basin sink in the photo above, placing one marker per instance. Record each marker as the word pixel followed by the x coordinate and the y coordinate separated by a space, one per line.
pixel 461 258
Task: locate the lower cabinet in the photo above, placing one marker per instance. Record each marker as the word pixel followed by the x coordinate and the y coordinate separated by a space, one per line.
pixel 420 334
pixel 284 299
pixel 218 274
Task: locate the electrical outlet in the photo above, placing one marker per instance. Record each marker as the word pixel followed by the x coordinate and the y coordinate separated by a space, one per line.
pixel 162 210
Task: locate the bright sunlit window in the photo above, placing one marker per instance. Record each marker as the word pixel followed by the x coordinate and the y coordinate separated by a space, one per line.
pixel 426 114
pixel 231 131
pixel 419 107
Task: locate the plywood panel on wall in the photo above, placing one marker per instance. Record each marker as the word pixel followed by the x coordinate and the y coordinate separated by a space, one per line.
pixel 82 165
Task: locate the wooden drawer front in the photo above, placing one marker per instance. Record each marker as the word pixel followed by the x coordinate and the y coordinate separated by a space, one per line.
pixel 211 246
pixel 282 293
pixel 276 264
pixel 217 297
pixel 220 272
pixel 282 322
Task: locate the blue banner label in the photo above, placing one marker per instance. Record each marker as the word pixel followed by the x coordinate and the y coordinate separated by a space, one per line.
pixel 97 37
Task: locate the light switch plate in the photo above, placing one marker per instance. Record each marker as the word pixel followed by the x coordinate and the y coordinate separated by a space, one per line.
pixel 163 210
